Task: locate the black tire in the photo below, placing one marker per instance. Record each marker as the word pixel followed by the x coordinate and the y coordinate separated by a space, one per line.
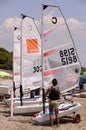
pixel 77 118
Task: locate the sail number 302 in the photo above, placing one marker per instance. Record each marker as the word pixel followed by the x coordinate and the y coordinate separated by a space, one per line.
pixel 37 69
pixel 68 56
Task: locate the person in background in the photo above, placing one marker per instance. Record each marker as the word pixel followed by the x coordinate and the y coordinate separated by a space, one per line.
pixel 81 84
pixel 32 94
pixel 54 95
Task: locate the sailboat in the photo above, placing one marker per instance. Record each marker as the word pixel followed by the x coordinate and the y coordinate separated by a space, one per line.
pixel 33 65
pixel 16 66
pixel 30 68
pixel 59 48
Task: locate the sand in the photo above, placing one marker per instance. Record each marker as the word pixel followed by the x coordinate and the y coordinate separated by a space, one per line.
pixel 24 122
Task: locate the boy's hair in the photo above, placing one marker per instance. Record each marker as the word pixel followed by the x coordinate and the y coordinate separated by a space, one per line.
pixel 54 82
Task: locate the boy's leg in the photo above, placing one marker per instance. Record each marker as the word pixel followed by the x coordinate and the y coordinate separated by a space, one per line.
pixel 51 116
pixel 57 117
pixel 51 120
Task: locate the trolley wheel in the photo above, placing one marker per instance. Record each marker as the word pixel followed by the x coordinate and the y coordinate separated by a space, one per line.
pixel 77 118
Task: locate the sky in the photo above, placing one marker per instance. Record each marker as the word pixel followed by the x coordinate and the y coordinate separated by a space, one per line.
pixel 73 10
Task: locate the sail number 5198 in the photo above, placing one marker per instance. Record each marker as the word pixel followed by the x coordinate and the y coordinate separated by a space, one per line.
pixel 68 56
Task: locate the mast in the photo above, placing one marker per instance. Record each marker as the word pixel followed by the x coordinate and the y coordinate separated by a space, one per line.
pixel 21 91
pixel 14 89
pixel 43 91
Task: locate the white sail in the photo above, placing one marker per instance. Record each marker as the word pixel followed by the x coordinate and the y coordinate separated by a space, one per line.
pixel 30 54
pixel 16 57
pixel 59 49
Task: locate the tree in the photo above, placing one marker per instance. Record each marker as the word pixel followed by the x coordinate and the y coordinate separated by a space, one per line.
pixel 6 59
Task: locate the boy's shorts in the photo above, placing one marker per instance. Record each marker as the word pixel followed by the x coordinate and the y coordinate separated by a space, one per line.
pixel 53 108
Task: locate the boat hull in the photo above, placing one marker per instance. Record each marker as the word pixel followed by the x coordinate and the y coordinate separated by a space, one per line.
pixel 25 100
pixel 29 109
pixel 64 110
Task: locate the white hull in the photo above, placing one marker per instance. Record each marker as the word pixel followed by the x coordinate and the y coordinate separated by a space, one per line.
pixel 64 110
pixel 29 109
pixel 25 100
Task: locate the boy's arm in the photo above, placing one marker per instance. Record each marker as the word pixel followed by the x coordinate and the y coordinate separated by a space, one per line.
pixel 60 96
pixel 47 92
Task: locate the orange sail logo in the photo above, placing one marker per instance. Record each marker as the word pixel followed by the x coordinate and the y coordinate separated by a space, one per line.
pixel 32 45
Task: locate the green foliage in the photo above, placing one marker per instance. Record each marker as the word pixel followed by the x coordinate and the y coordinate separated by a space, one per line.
pixel 83 69
pixel 6 59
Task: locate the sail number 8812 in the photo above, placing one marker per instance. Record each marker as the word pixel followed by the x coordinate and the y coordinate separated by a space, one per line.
pixel 67 56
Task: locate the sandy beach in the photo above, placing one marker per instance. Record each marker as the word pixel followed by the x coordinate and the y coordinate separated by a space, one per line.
pixel 24 122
